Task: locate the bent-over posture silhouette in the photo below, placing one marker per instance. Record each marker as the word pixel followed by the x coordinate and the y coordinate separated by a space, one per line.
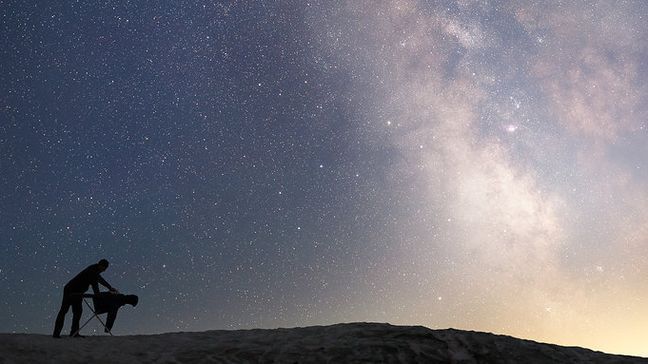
pixel 73 295
pixel 110 303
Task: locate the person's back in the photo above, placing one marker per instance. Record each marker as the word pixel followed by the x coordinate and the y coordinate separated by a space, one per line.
pixel 106 301
pixel 87 277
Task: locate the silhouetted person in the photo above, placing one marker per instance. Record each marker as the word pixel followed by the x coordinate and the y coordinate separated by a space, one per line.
pixel 110 303
pixel 73 295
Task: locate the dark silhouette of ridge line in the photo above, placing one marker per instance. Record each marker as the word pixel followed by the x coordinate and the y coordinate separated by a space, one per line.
pixel 340 343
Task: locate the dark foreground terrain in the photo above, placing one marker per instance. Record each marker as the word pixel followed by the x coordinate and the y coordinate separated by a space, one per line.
pixel 342 343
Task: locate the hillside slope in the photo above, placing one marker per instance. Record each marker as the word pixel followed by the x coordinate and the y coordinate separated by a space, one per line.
pixel 341 343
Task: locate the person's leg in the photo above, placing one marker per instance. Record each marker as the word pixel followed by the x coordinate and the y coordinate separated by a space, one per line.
pixel 77 311
pixel 60 318
pixel 110 320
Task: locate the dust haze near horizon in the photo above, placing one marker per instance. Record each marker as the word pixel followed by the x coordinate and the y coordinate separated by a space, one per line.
pixel 472 164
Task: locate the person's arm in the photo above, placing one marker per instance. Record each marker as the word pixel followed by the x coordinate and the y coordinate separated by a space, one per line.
pixel 95 288
pixel 103 283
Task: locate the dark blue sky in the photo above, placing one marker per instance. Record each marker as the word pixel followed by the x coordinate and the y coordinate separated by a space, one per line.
pixel 473 164
pixel 202 148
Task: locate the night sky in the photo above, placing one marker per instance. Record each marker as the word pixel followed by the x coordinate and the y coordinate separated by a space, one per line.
pixel 473 164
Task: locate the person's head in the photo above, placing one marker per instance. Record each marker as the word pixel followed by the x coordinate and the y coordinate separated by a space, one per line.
pixel 103 264
pixel 132 299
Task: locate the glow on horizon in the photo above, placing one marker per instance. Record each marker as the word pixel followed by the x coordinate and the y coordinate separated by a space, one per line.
pixel 537 234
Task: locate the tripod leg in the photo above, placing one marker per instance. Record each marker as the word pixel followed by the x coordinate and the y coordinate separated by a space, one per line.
pixel 104 325
pixel 98 318
pixel 94 314
pixel 82 326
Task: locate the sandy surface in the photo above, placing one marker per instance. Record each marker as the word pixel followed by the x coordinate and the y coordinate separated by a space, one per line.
pixel 342 343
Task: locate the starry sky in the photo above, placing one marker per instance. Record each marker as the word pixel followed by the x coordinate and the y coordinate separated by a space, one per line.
pixel 473 164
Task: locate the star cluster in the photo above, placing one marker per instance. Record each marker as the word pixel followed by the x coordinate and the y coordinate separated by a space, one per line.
pixel 473 164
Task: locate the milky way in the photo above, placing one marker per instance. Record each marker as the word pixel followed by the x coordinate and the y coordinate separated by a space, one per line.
pixel 480 165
